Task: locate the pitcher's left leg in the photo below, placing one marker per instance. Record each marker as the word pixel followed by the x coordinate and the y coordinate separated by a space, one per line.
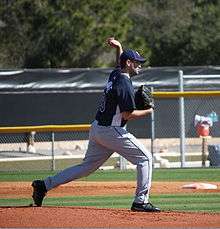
pixel 134 151
pixel 144 177
pixel 143 159
pixel 124 143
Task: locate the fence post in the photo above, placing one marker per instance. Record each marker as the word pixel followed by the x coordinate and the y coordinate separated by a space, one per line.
pixel 53 166
pixel 182 120
pixel 152 130
pixel 122 163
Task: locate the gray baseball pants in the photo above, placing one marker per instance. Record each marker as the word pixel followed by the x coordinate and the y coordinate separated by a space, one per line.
pixel 103 142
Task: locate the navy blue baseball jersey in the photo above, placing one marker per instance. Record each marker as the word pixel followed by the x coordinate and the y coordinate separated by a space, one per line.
pixel 118 97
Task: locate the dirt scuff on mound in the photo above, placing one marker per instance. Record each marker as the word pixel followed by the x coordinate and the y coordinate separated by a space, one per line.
pixel 104 218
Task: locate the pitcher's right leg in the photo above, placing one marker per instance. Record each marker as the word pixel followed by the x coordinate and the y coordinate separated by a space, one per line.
pixel 95 156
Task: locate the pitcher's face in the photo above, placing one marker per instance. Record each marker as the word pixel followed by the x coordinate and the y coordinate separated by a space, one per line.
pixel 134 68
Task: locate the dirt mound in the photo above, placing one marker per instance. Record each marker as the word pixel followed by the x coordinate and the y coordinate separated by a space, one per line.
pixel 102 218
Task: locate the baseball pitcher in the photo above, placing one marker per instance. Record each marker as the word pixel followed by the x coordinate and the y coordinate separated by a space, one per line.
pixel 108 132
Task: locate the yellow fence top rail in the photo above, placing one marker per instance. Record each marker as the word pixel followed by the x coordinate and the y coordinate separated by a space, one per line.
pixel 176 94
pixel 45 128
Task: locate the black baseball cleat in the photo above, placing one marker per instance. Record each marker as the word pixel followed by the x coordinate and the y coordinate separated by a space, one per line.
pixel 39 192
pixel 148 207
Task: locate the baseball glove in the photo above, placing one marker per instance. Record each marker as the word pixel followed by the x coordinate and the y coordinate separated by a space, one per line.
pixel 143 98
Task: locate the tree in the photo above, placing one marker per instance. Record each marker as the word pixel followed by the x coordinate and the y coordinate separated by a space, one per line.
pixel 204 34
pixel 19 43
pixel 61 33
pixel 71 33
pixel 180 35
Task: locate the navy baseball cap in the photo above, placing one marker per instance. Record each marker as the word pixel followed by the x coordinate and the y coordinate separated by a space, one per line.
pixel 132 55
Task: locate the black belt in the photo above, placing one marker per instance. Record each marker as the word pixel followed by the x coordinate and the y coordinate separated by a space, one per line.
pixel 101 124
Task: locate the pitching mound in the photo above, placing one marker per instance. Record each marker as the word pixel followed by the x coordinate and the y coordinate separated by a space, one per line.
pixel 70 217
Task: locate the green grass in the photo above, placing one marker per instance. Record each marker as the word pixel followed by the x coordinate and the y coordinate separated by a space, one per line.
pixel 44 165
pixel 187 158
pixel 187 174
pixel 204 202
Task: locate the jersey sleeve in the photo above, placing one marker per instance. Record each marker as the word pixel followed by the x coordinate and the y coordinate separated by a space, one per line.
pixel 125 95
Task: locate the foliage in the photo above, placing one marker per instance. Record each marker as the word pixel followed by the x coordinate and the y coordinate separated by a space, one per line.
pixel 59 33
pixel 64 33
pixel 180 35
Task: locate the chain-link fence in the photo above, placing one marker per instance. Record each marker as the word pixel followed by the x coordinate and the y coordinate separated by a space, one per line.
pixel 167 131
pixel 36 150
pixel 45 150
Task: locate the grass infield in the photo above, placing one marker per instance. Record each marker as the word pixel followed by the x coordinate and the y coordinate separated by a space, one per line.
pixel 186 174
pixel 205 202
